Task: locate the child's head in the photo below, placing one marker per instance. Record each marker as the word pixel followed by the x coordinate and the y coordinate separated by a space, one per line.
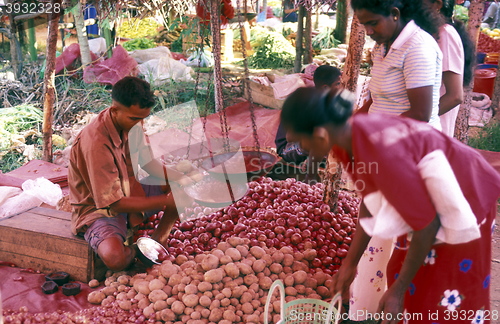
pixel 327 77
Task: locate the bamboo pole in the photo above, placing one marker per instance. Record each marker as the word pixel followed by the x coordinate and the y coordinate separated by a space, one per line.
pixel 342 18
pixel 32 40
pixel 49 83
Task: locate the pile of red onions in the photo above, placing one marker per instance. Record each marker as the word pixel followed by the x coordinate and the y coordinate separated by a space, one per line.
pixel 274 214
pixel 111 314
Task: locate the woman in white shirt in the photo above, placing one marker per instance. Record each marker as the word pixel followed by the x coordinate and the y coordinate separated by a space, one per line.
pixel 406 72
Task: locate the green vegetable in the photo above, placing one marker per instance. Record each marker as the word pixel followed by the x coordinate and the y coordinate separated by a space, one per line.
pixel 138 43
pixel 138 28
pixel 325 39
pixel 461 13
pixel 275 52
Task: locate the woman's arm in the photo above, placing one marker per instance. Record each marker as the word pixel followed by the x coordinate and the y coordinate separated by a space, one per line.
pixel 454 94
pixel 421 243
pixel 342 280
pixel 420 103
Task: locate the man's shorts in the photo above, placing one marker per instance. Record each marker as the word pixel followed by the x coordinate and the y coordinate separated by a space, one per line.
pixel 107 227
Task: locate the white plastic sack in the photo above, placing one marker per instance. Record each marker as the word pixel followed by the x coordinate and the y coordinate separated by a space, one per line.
pixel 97 46
pixel 35 192
pixel 199 58
pixel 165 69
pixel 144 55
pixel 48 192
pixel 7 192
pixel 480 110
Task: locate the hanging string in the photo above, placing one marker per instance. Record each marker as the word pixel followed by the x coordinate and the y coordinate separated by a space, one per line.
pixel 202 31
pixel 246 80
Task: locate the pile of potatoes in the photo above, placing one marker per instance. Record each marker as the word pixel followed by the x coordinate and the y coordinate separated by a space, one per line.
pixel 227 285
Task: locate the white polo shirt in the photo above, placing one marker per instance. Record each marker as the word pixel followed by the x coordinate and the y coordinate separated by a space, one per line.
pixel 413 61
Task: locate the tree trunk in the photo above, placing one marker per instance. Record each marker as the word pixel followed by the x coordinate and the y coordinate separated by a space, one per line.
pixel 49 84
pixel 354 55
pixel 473 27
pixel 341 24
pixel 299 50
pixel 308 50
pixel 82 34
pixel 15 48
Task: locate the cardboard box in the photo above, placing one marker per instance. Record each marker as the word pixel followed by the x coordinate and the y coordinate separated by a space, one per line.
pixel 41 239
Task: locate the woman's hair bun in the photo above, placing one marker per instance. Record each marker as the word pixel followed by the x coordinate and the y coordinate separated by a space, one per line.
pixel 339 107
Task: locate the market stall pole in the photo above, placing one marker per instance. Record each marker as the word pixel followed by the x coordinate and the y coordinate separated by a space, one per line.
pixel 349 79
pixel 49 83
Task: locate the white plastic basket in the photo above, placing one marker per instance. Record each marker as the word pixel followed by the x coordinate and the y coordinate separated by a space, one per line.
pixel 303 311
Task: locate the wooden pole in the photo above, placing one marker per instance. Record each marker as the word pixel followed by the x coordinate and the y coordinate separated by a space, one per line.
pixel 14 47
pixel 49 82
pixel 299 50
pixel 308 50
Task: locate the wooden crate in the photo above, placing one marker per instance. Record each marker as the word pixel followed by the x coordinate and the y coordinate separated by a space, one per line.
pixel 263 95
pixel 41 239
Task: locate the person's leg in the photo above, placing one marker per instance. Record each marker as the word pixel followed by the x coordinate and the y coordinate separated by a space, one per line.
pixel 106 237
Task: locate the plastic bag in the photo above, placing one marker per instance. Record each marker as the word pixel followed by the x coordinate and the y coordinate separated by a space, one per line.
pixel 200 58
pixel 48 192
pixel 165 69
pixel 35 192
pixel 7 192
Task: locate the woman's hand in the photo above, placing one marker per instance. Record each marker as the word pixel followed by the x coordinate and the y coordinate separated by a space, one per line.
pixel 342 280
pixel 391 305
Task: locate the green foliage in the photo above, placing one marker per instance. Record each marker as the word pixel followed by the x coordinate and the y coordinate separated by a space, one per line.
pixel 138 43
pixel 325 39
pixel 275 52
pixel 18 126
pixel 488 138
pixel 188 26
pixel 19 119
pixel 461 13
